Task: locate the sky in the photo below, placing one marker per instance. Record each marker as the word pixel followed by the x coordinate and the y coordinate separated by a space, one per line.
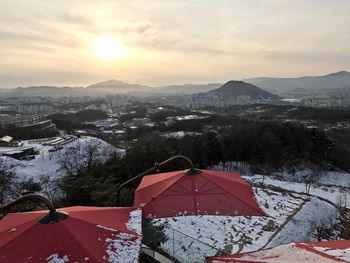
pixel 170 41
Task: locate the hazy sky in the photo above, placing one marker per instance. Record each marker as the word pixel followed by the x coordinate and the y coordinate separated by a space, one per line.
pixel 171 41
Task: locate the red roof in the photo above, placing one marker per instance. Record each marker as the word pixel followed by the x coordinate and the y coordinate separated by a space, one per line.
pixel 330 251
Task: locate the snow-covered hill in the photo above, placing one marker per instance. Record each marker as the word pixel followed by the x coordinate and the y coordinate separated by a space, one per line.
pixel 47 161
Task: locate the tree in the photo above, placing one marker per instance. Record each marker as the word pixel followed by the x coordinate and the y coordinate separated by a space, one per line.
pixel 50 186
pixel 342 200
pixel 153 234
pixel 82 156
pixel 90 153
pixel 322 227
pixel 70 160
pixel 8 180
pixel 312 176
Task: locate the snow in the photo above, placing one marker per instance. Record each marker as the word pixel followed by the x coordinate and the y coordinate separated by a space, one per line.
pixel 343 254
pixel 331 178
pixel 54 258
pixel 46 163
pixel 299 228
pixel 286 253
pixel 192 238
pixel 135 222
pixel 124 247
pixel 293 252
pixel 328 178
pixel 180 134
pixel 331 193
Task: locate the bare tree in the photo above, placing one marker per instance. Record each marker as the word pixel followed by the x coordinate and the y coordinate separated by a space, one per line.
pixel 312 177
pixel 70 160
pixel 342 200
pixel 50 186
pixel 265 171
pixel 91 152
pixel 82 156
pixel 322 227
pixel 8 180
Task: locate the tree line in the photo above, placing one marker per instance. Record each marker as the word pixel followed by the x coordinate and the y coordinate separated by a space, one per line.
pixel 267 147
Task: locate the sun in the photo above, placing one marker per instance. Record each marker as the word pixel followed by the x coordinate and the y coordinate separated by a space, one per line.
pixel 108 47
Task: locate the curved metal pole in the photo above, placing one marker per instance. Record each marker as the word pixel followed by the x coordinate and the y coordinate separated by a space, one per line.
pixel 24 198
pixel 155 167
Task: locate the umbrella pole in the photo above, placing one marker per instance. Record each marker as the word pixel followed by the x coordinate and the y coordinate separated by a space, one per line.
pixel 155 167
pixel 24 198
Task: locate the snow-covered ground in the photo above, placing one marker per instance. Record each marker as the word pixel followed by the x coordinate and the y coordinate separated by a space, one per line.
pixel 179 134
pixel 293 252
pixel 47 161
pixel 291 215
pixel 298 229
pixel 330 178
pixel 231 234
pixel 331 193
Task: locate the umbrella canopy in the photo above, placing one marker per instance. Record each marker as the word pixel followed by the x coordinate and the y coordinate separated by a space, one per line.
pixel 195 192
pixel 86 234
pixel 330 251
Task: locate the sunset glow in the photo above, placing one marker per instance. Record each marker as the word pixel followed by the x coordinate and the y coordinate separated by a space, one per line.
pixel 108 47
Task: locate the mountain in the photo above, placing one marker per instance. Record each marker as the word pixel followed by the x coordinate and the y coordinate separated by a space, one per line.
pixel 235 88
pixel 45 91
pixel 186 88
pixel 115 86
pixel 316 83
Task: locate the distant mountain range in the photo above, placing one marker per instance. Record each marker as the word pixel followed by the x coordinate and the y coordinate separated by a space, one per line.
pixel 334 83
pixel 45 91
pixel 113 86
pixel 304 84
pixel 187 88
pixel 108 87
pixel 236 88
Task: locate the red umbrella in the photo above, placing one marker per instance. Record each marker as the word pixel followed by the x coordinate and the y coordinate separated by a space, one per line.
pixel 195 192
pixel 73 234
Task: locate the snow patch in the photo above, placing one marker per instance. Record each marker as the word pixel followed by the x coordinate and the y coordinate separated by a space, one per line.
pixel 286 253
pixel 54 258
pixel 343 254
pixel 125 248
pixel 135 221
pixel 300 227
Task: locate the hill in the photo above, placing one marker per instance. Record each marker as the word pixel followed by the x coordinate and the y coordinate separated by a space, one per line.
pixel 186 88
pixel 309 83
pixel 45 91
pixel 235 88
pixel 115 86
pixel 76 120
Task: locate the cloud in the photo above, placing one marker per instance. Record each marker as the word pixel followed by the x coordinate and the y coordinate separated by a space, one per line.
pixel 188 37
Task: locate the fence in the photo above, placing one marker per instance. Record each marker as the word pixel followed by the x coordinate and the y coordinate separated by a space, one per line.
pixel 21 121
pixel 178 246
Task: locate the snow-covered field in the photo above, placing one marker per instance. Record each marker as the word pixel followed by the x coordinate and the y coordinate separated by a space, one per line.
pixel 331 193
pixel 330 178
pixel 298 229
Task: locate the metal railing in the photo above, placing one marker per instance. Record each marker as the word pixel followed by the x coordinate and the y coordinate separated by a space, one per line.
pixel 178 246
